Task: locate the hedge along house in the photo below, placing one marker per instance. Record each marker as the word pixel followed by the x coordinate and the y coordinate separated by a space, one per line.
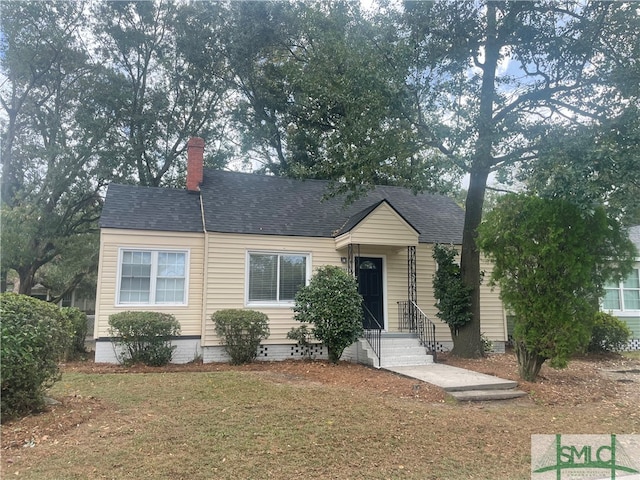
pixel 239 240
pixel 623 299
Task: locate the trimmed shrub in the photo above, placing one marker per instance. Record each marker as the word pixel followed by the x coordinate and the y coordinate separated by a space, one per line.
pixel 609 334
pixel 302 335
pixel 145 337
pixel 78 320
pixel 241 332
pixel 35 337
pixel 487 345
pixel 332 304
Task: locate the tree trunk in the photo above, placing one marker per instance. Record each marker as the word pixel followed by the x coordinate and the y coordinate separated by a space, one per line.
pixel 467 343
pixel 334 357
pixel 529 363
pixel 26 280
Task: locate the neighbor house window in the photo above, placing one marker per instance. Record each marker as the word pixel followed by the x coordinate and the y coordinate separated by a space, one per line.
pixel 152 277
pixel 625 295
pixel 275 277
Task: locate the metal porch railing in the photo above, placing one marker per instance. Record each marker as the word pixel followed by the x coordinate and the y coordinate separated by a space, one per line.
pixel 414 320
pixel 373 335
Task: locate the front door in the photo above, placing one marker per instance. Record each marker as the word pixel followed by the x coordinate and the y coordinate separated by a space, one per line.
pixel 370 287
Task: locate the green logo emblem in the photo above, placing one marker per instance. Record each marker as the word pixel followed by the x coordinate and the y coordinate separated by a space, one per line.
pixel 584 456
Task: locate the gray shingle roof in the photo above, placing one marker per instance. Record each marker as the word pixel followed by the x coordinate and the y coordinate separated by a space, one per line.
pixel 248 203
pixel 256 204
pixel 151 208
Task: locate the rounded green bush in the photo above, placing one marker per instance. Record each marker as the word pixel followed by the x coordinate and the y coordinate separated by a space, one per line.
pixel 609 334
pixel 145 337
pixel 332 304
pixel 241 332
pixel 35 337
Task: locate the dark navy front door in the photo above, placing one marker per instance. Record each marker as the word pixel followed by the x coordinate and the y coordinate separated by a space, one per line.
pixel 370 287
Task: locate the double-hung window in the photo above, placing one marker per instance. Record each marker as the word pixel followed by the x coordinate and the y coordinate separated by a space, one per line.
pixel 275 277
pixel 150 277
pixel 623 296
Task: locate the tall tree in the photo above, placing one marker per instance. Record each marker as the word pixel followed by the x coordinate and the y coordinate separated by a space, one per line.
pixel 165 84
pixel 320 97
pixel 600 163
pixel 489 80
pixel 49 192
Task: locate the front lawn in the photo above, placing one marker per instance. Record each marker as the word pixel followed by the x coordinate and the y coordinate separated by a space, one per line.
pixel 286 421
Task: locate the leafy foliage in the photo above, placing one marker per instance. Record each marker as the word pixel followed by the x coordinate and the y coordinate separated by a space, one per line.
pixel 332 304
pixel 452 296
pixel 551 261
pixel 241 332
pixel 35 337
pixel 144 337
pixel 487 344
pixel 75 119
pixel 596 164
pixel 325 99
pixel 50 180
pixel 491 79
pixel 164 82
pixel 303 336
pixel 609 334
pixel 78 321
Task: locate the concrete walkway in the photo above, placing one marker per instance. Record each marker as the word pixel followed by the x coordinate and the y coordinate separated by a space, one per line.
pixel 460 383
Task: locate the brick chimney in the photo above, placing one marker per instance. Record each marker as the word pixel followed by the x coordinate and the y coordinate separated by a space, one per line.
pixel 195 163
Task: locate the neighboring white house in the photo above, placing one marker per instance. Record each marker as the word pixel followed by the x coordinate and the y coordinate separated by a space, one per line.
pixel 623 299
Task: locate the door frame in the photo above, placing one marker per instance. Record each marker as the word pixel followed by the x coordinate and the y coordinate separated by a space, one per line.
pixel 385 312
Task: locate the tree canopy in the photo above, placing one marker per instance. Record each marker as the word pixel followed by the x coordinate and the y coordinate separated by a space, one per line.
pixel 415 94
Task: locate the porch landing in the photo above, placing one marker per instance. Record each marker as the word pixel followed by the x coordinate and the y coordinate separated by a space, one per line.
pixel 461 384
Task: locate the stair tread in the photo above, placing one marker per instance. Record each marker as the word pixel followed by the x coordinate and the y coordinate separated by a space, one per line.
pixel 399 351
pixel 483 395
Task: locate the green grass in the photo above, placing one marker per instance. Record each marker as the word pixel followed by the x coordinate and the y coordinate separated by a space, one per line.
pixel 238 425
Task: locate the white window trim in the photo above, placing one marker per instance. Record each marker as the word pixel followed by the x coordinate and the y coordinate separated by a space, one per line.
pixel 275 303
pixel 154 276
pixel 622 312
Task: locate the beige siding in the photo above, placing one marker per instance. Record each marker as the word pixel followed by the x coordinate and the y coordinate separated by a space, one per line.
pixel 383 227
pixel 227 275
pixel 226 255
pixel 492 313
pixel 492 317
pixel 111 240
pixel 426 268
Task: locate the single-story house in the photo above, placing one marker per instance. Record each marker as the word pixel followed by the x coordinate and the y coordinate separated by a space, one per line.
pixel 623 299
pixel 240 240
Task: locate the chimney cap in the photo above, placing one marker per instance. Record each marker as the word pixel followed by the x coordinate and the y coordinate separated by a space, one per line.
pixel 196 142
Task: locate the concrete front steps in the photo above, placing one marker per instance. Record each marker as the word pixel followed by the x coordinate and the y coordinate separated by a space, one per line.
pixel 402 353
pixel 397 349
pixel 485 395
pixel 482 390
pixel 462 384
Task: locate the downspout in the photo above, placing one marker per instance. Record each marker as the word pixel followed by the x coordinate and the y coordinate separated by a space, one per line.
pixel 205 271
